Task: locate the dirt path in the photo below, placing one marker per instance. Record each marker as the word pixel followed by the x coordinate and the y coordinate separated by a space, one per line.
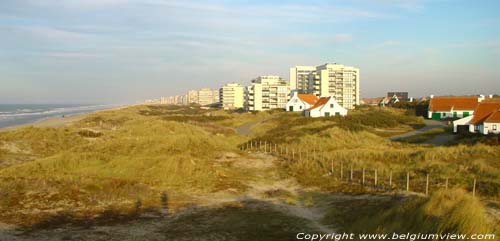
pixel 265 180
pixel 244 130
pixel 429 125
pixel 267 189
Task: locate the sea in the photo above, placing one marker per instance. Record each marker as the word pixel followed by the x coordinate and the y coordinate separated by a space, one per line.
pixel 20 114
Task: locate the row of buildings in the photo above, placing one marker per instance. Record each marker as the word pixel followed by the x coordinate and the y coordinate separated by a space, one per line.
pixel 470 114
pixel 337 82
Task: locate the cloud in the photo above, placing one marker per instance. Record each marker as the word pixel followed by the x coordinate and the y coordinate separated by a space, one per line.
pixel 72 55
pixel 388 43
pixel 49 33
pixel 342 38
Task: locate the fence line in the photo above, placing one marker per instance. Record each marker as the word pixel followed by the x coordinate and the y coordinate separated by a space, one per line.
pixel 391 182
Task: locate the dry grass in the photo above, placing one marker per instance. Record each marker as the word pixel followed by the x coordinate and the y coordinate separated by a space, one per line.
pixel 136 157
pixel 452 211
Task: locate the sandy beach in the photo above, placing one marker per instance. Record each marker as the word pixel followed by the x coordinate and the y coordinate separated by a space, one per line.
pixel 56 122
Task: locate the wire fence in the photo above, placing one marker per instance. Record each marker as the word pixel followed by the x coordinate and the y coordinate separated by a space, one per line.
pixel 375 179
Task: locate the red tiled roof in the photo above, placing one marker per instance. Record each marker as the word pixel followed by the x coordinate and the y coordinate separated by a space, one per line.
pixel 447 103
pixel 369 101
pixel 491 100
pixel 320 103
pixel 494 118
pixel 483 111
pixel 310 99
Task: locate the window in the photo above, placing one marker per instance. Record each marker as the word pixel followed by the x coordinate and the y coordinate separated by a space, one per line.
pixel 494 127
pixel 331 105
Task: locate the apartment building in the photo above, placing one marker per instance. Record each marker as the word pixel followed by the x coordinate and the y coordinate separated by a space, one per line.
pixel 337 80
pixel 203 96
pixel 299 78
pixel 232 96
pixel 266 93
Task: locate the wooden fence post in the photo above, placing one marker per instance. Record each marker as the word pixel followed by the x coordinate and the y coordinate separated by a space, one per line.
pixel 341 171
pixel 293 154
pixel 390 179
pixel 265 146
pixel 427 185
pixel 286 151
pixel 275 148
pixel 407 181
pixel 376 177
pixel 300 155
pixel 363 180
pixel 260 145
pixel 446 184
pixel 352 173
pixel 474 188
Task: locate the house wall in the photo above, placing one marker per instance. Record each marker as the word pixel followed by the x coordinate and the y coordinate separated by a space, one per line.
pixel 297 104
pixel 321 111
pixel 462 121
pixel 450 114
pixel 490 127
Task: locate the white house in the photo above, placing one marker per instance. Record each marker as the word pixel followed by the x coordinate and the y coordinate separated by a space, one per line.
pixel 325 107
pixel 485 120
pixel 301 102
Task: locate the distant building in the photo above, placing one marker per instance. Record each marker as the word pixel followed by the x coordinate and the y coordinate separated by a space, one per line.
pixel 326 107
pixel 203 96
pixel 300 102
pixel 266 93
pixel 336 80
pixel 371 101
pixel 401 96
pixel 443 107
pixel 232 96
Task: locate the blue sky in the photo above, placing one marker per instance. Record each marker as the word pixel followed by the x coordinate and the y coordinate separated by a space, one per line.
pixel 115 51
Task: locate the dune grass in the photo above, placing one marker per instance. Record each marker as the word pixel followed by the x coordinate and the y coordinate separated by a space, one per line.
pixel 115 160
pixel 453 211
pixel 136 157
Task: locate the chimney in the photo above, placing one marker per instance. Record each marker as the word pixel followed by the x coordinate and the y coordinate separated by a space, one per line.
pixel 490 96
pixel 432 96
pixel 481 98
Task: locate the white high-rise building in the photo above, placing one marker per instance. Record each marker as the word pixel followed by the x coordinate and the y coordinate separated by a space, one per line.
pixel 232 96
pixel 266 93
pixel 299 78
pixel 337 80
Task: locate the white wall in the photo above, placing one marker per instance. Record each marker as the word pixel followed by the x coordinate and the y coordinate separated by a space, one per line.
pixel 488 128
pixel 327 108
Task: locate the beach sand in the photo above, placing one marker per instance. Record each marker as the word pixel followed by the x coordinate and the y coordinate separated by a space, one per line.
pixel 56 122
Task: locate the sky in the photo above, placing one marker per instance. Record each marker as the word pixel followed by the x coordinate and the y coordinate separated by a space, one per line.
pixel 122 51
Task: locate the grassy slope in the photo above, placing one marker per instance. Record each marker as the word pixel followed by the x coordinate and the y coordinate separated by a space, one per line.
pixel 138 157
pixel 444 212
pixel 355 143
pixel 142 152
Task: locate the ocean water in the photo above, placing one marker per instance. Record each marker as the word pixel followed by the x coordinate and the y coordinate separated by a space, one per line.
pixel 14 114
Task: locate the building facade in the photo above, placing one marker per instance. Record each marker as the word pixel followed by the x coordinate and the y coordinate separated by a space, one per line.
pixel 452 107
pixel 267 93
pixel 326 107
pixel 301 102
pixel 203 96
pixel 299 78
pixel 337 80
pixel 232 96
